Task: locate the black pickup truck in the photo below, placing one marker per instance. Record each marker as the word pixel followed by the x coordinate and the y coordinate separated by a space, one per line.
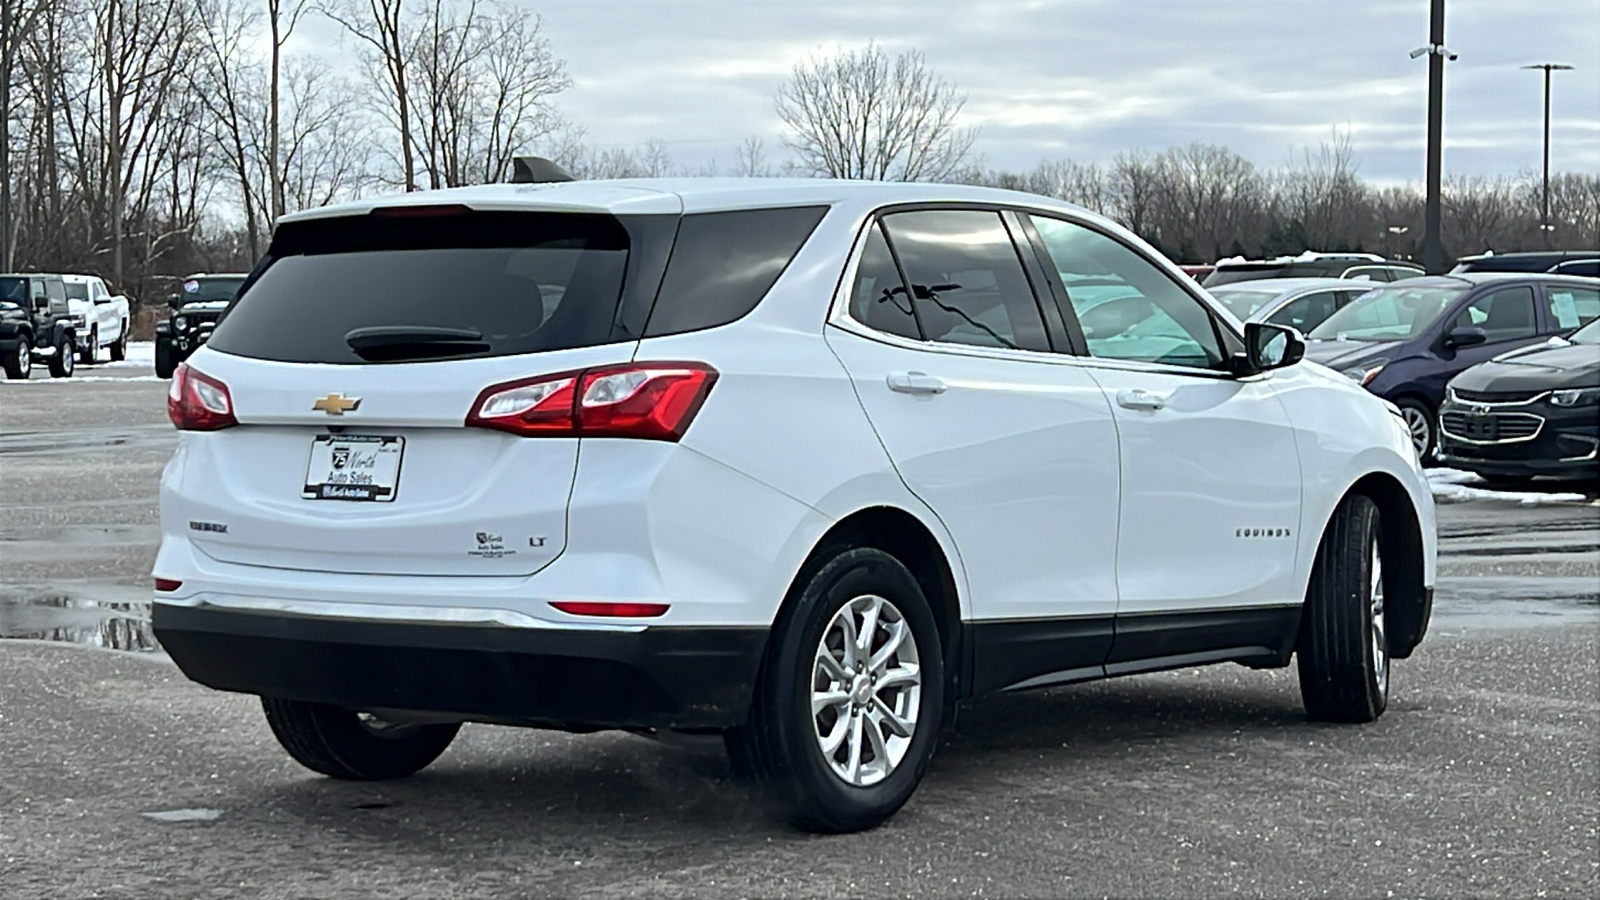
pixel 196 306
pixel 35 324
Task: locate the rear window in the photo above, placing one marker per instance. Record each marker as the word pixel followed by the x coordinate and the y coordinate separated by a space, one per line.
pixel 392 288
pixel 723 263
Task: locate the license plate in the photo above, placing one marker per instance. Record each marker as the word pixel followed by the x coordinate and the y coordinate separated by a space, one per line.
pixel 354 467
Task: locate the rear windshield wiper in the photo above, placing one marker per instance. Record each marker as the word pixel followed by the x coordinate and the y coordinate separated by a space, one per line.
pixel 387 343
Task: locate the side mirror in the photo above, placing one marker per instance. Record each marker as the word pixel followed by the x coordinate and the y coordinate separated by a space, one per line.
pixel 174 300
pixel 1269 347
pixel 1465 337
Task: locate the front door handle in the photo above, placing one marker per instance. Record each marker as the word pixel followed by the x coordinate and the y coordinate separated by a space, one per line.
pixel 1140 399
pixel 915 383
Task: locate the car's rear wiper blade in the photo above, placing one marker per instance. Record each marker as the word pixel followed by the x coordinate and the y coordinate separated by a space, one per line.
pixel 386 343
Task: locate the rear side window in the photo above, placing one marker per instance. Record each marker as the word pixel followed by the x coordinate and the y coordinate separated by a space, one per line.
pixel 1306 313
pixel 723 263
pixel 967 284
pixel 377 288
pixel 1571 307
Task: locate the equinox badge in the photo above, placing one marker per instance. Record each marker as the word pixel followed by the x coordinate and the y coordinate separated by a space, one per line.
pixel 336 404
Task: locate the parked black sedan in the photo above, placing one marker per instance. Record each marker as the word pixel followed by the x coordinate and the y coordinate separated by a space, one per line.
pixel 1405 341
pixel 1534 411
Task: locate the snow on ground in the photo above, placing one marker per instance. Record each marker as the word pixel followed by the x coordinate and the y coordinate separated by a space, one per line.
pixel 140 353
pixel 1455 486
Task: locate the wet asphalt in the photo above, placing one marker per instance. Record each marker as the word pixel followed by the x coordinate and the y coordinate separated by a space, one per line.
pixel 123 779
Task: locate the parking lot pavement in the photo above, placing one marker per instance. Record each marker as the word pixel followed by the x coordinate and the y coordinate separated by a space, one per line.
pixel 124 779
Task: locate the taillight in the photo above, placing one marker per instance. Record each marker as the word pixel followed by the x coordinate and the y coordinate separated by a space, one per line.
pixel 198 402
pixel 648 400
pixel 610 610
pixel 167 584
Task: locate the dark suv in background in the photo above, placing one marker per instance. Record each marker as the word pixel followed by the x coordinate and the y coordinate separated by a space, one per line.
pixel 196 306
pixel 1558 262
pixel 35 324
pixel 1352 266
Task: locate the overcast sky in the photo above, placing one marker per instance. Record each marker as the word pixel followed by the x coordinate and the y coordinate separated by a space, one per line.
pixel 1087 78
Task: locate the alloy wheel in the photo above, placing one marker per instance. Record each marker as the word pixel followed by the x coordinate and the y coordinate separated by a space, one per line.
pixel 866 690
pixel 1421 429
pixel 1379 634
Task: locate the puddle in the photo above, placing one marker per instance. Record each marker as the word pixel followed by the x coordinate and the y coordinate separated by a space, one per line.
pixel 91 621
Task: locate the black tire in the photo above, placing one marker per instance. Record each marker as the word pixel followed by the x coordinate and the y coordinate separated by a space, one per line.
pixel 89 353
pixel 166 363
pixel 1417 413
pixel 119 350
pixel 61 365
pixel 779 744
pixel 1344 659
pixel 18 363
pixel 340 743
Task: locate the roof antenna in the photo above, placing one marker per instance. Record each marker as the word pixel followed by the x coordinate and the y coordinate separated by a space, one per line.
pixel 536 170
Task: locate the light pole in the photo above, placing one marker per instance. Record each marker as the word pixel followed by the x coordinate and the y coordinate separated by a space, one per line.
pixel 1432 244
pixel 1544 206
pixel 1395 231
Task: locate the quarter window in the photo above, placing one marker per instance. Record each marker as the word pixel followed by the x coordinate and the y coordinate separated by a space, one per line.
pixel 967 284
pixel 1504 315
pixel 1127 306
pixel 879 299
pixel 1572 307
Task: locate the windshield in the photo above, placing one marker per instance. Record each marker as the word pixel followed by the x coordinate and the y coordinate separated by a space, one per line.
pixel 206 289
pixel 1243 303
pixel 1588 334
pixel 1387 314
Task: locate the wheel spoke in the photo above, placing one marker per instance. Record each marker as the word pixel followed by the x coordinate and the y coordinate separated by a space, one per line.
pixel 869 630
pixel 830 742
pixel 852 769
pixel 831 666
pixel 901 727
pixel 847 624
pixel 903 675
pixel 897 636
pixel 827 699
pixel 880 750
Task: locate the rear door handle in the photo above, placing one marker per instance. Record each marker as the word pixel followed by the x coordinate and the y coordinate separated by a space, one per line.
pixel 915 383
pixel 1140 399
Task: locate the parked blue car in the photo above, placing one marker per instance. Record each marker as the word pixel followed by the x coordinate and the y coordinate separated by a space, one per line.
pixel 1405 341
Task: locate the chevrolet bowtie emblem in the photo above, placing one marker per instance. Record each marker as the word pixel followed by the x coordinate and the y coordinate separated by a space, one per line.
pixel 336 404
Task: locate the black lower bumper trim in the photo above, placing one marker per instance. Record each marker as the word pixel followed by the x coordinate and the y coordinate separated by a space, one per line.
pixel 662 677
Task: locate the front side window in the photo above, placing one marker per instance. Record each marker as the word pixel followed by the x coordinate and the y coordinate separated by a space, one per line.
pixel 1306 313
pixel 1128 307
pixel 1572 307
pixel 967 284
pixel 77 291
pixel 1504 315
pixel 1390 313
pixel 879 299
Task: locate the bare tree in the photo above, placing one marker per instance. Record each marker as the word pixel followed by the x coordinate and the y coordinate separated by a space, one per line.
pixel 865 114
pixel 750 160
pixel 1324 201
pixel 223 82
pixel 282 17
pixel 381 25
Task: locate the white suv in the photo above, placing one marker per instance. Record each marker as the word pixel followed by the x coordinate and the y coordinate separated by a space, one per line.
pixel 801 462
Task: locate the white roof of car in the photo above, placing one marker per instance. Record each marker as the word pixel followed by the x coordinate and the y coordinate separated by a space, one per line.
pixel 644 196
pixel 1290 285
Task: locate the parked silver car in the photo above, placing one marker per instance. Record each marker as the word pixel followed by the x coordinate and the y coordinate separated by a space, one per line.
pixel 1300 303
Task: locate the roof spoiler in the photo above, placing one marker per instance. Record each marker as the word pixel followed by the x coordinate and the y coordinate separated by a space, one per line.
pixel 536 170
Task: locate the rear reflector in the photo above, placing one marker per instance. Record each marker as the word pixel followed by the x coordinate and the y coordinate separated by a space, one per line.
pixel 611 610
pixel 167 584
pixel 648 400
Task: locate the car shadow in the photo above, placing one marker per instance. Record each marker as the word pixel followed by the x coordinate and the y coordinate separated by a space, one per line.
pixel 537 788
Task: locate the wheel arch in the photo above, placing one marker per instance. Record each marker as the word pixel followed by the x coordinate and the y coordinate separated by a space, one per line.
pixel 905 537
pixel 1408 600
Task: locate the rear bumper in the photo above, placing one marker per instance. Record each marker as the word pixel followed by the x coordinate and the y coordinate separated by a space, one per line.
pixel 655 677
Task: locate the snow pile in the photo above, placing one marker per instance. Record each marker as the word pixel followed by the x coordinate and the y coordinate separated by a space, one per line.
pixel 140 353
pixel 1455 486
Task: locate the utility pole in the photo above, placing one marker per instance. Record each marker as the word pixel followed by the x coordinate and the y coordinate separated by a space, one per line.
pixel 1545 228
pixel 1433 255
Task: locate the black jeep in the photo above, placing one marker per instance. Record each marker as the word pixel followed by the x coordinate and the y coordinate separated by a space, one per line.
pixel 196 307
pixel 35 324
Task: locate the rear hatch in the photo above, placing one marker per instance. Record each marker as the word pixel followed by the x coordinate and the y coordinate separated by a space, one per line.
pixel 352 363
